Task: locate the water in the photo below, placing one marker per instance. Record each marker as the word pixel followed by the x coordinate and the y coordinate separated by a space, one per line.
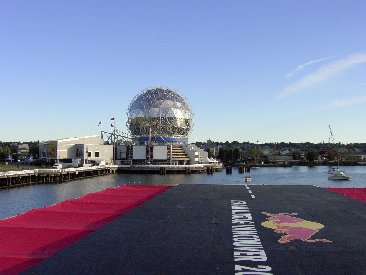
pixel 19 200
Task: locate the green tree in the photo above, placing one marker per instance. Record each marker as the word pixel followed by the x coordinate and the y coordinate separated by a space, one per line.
pixel 331 154
pixel 14 148
pixel 273 153
pixel 226 155
pixel 255 153
pixel 229 155
pixel 296 155
pixel 34 149
pixel 51 150
pixel 4 152
pixel 236 155
pixel 222 154
pixel 311 156
pixel 348 155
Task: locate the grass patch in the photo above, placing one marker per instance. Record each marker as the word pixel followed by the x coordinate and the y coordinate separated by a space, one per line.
pixel 14 167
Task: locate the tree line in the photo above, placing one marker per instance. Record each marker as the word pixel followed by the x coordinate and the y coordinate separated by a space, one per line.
pixel 255 155
pixel 11 149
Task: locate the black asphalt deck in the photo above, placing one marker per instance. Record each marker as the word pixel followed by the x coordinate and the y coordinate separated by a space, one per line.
pixel 189 230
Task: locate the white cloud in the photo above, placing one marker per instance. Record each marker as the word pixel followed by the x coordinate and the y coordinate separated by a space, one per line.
pixel 349 102
pixel 303 66
pixel 325 72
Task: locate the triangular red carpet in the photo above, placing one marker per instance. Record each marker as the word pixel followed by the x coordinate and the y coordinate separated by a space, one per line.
pixel 29 238
pixel 353 193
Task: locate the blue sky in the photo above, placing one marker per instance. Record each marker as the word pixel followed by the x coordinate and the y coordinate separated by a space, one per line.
pixel 266 71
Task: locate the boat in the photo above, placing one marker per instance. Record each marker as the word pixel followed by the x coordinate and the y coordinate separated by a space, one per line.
pixel 334 172
pixel 247 179
pixel 338 175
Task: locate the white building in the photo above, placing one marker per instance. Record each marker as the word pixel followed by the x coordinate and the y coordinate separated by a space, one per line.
pixel 94 150
pixel 88 149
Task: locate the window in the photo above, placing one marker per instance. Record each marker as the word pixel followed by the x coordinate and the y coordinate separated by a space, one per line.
pixel 89 154
pixel 79 152
pixel 97 154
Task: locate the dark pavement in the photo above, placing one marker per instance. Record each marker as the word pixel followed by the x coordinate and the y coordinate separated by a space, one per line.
pixel 192 229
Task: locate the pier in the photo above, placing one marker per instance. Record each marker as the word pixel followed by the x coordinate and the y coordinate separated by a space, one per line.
pixel 169 169
pixel 36 176
pixel 29 177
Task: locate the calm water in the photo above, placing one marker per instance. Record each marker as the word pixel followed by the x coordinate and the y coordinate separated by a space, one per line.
pixel 19 200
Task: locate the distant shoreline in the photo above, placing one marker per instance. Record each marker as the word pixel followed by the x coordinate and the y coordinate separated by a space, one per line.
pixel 297 164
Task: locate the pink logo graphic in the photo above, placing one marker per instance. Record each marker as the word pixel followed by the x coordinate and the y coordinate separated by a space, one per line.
pixel 293 228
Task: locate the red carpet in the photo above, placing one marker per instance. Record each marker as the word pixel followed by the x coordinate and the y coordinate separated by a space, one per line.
pixel 353 193
pixel 29 238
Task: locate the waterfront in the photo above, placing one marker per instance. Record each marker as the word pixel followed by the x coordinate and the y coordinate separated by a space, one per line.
pixel 19 200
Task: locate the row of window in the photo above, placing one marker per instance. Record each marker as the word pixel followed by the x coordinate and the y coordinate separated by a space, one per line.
pixel 96 154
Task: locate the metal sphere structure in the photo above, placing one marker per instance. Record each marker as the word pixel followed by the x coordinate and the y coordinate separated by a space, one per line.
pixel 159 114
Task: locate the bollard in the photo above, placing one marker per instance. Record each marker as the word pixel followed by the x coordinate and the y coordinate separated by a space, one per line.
pixel 240 169
pixel 229 170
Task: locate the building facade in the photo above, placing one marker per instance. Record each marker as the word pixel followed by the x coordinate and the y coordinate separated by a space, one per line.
pixel 84 150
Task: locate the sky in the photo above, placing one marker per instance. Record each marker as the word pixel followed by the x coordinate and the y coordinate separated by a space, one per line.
pixel 257 71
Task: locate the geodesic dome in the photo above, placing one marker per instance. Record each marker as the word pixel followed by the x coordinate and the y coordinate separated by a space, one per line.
pixel 160 114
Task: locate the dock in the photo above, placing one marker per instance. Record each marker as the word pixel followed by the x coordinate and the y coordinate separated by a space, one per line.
pixel 29 177
pixel 37 176
pixel 225 229
pixel 164 169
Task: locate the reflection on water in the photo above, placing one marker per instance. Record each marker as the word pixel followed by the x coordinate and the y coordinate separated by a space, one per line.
pixel 19 200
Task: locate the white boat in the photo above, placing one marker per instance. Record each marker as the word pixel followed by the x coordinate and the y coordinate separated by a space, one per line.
pixel 334 172
pixel 247 178
pixel 338 175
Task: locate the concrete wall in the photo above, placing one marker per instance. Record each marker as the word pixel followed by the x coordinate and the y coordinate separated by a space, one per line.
pixel 121 152
pixel 139 152
pixel 196 155
pixel 160 152
pixel 105 153
pixel 85 149
pixel 191 153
